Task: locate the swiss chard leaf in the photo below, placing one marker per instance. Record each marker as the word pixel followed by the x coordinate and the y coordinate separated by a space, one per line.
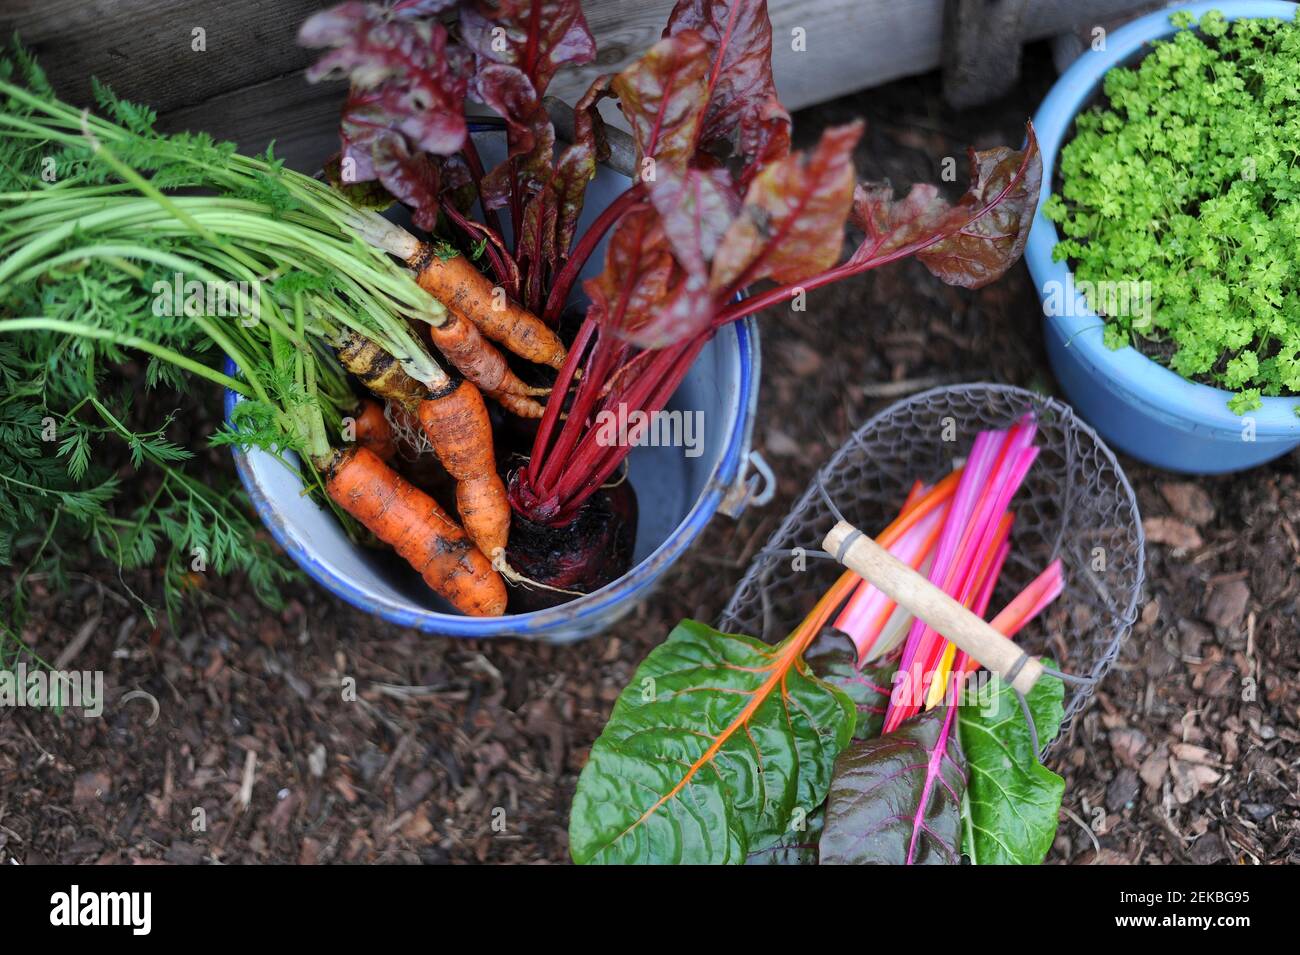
pixel 411 177
pixel 834 659
pixel 409 82
pixel 792 223
pixel 518 45
pixel 744 118
pixel 971 243
pixel 664 95
pixel 890 223
pixel 697 207
pixel 638 272
pixel 896 800
pixel 508 90
pixel 711 750
pixel 550 219
pixel 407 96
pixel 536 249
pixel 705 92
pixel 795 845
pixel 1012 799
pixel 535 36
pixel 643 294
pixel 1005 182
pixel 576 166
pixel 683 313
pixel 400 65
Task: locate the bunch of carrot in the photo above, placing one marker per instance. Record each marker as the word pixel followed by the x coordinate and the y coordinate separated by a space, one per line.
pixel 326 285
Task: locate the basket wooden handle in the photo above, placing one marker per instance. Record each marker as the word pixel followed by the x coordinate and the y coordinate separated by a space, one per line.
pixel 923 599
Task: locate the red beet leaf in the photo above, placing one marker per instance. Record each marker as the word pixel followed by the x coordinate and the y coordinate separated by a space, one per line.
pixel 744 118
pixel 792 223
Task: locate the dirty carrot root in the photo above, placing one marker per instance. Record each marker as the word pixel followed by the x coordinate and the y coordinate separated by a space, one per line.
pixel 476 358
pixel 519 405
pixel 372 430
pixel 421 532
pixel 481 503
pixel 466 291
pixel 379 371
pixel 455 419
pixel 457 424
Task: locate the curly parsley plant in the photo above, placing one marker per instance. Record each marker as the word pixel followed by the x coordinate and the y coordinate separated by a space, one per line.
pixel 1186 179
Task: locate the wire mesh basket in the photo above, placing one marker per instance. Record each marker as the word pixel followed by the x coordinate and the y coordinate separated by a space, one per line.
pixel 1075 504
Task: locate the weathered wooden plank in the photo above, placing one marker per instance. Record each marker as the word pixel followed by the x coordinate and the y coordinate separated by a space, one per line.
pixel 821 49
pixel 248 85
pixel 302 120
pixel 145 49
pixel 981 41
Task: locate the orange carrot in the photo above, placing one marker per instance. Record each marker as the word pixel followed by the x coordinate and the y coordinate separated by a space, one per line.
pixel 412 523
pixel 458 427
pixel 485 511
pixel 465 290
pixel 476 358
pixel 520 405
pixel 379 371
pixel 456 422
pixel 372 430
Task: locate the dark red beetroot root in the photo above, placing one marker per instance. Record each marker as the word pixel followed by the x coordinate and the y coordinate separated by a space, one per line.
pixel 592 550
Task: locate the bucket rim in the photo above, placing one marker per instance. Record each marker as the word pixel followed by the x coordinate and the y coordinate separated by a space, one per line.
pixel 1140 379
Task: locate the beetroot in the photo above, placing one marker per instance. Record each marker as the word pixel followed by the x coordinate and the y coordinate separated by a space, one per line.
pixel 584 554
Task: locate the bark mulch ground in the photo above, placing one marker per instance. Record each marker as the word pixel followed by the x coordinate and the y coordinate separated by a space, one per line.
pixel 322 735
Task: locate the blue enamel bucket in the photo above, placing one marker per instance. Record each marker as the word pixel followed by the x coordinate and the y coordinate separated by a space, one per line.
pixel 1139 406
pixel 677 495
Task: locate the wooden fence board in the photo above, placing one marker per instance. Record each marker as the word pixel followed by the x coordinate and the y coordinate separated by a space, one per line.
pixel 143 48
pixel 302 119
pixel 248 85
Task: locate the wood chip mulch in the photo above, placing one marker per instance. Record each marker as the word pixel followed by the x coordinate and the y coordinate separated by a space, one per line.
pixel 322 735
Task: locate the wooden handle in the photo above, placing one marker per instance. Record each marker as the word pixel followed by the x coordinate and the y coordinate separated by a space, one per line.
pixel 923 599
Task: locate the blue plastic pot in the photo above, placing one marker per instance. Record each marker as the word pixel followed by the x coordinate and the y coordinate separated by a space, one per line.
pixel 676 496
pixel 1138 405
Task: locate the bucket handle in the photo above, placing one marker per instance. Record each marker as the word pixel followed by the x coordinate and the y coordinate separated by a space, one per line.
pixel 862 555
pixel 744 490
